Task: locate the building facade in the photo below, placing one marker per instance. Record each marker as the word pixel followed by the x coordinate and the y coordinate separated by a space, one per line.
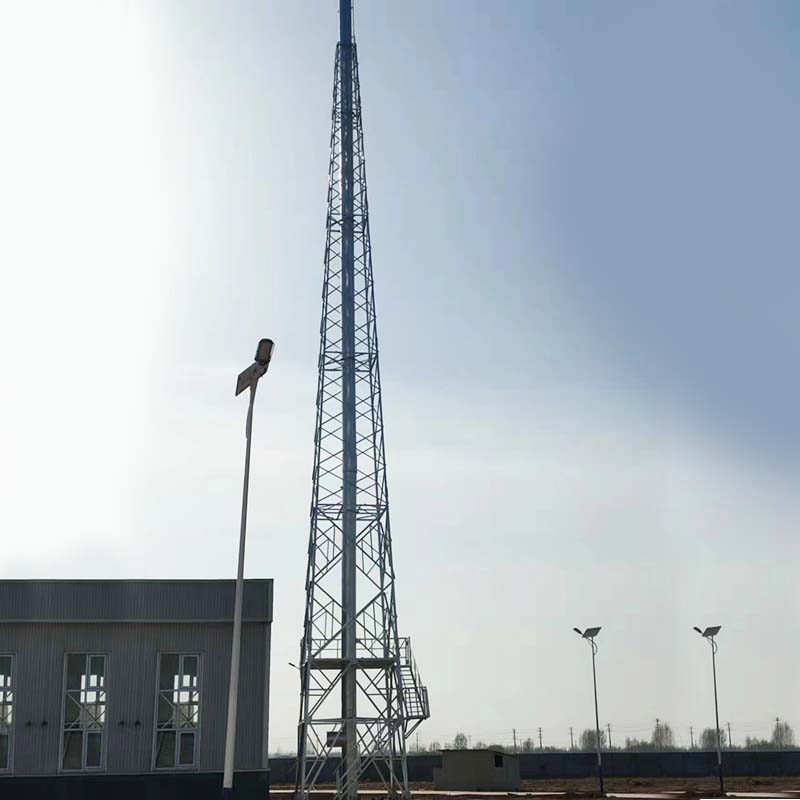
pixel 125 683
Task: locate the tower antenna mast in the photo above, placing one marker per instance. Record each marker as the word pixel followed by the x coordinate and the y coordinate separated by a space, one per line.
pixel 361 696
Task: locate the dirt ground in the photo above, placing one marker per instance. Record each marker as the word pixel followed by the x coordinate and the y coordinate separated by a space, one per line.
pixel 692 787
pixel 708 787
pixel 586 788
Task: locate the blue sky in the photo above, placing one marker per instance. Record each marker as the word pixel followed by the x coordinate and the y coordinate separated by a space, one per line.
pixel 585 247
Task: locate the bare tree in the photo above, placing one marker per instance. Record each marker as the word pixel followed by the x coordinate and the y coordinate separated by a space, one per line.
pixel 782 735
pixel 460 742
pixel 636 745
pixel 663 737
pixel 754 743
pixel 588 740
pixel 708 739
pixel 527 746
pixel 434 747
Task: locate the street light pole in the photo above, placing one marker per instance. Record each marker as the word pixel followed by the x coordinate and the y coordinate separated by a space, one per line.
pixel 709 634
pixel 248 378
pixel 589 635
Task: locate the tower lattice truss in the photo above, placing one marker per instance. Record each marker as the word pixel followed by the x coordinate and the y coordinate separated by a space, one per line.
pixel 361 693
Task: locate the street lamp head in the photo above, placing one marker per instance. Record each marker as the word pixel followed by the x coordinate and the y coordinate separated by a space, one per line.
pixel 697 629
pixel 590 633
pixel 264 352
pixel 249 377
pixel 578 631
pixel 711 632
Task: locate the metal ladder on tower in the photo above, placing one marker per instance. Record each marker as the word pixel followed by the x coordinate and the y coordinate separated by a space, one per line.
pixel 415 695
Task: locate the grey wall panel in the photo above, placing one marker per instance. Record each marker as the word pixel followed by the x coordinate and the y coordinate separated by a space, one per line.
pixel 566 766
pixel 132 651
pixel 132 600
pixel 265 717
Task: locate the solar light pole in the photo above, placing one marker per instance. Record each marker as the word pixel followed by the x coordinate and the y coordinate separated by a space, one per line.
pixel 248 378
pixel 709 634
pixel 589 635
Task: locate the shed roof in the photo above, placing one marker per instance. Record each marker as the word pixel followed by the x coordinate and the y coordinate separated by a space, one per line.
pixel 132 600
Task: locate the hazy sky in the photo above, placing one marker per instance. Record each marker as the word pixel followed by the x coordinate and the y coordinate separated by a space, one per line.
pixel 586 248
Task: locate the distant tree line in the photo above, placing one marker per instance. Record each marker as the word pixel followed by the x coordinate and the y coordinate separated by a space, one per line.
pixel 662 738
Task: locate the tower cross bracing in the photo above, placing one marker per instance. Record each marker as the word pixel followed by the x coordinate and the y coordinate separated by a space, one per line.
pixel 361 696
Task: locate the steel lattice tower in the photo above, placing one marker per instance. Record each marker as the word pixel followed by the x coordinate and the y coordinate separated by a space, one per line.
pixel 360 690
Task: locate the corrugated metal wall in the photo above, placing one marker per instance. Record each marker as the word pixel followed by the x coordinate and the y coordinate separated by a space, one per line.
pixel 132 600
pixel 132 650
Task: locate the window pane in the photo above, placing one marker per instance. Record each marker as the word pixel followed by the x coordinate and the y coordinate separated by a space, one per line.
pixel 6 708
pixel 72 709
pixel 4 748
pixel 165 749
pixel 169 669
pixel 96 710
pixel 187 715
pixel 75 666
pixel 165 711
pixel 94 749
pixel 187 749
pixel 73 750
pixel 97 670
pixel 190 670
pixel 5 670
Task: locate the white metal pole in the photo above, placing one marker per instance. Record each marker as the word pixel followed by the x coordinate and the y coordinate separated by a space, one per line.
pixel 233 687
pixel 716 713
pixel 596 717
pixel 350 758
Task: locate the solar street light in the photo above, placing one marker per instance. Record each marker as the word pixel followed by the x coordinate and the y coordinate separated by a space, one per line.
pixel 248 378
pixel 589 635
pixel 709 634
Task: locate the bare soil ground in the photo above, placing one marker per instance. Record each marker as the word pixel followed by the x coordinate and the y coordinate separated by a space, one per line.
pixel 688 788
pixel 692 787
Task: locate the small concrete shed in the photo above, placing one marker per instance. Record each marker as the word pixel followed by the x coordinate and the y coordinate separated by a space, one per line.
pixel 477 771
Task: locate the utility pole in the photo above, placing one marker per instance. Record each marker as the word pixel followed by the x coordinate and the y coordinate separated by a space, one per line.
pixel 571 739
pixel 540 739
pixel 514 731
pixel 608 725
pixel 730 740
pixel 691 737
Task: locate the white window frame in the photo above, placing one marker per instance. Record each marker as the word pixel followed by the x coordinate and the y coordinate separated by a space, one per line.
pixel 8 730
pixel 174 726
pixel 82 727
